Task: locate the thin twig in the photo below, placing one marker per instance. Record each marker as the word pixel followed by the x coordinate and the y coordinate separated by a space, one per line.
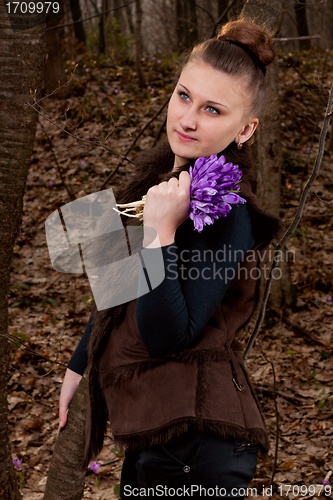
pixel 14 340
pixel 60 170
pixel 160 130
pixel 206 11
pixel 292 226
pixel 224 13
pixel 276 415
pixel 295 38
pixel 133 143
pixel 328 202
pixel 91 17
pixel 100 144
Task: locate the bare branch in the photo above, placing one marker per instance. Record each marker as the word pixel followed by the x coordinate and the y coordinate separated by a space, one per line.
pixel 224 13
pixel 60 169
pixel 295 38
pixel 94 143
pixel 134 142
pixel 14 340
pixel 293 225
pixel 91 17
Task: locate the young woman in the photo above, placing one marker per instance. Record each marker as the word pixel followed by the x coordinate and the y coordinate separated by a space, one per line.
pixel 165 368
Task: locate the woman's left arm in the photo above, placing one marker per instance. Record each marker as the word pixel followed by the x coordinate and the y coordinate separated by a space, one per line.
pixel 197 274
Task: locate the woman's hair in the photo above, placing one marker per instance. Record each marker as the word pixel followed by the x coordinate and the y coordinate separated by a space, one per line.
pixel 241 49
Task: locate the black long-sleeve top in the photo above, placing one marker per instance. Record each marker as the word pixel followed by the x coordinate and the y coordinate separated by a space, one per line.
pixel 198 269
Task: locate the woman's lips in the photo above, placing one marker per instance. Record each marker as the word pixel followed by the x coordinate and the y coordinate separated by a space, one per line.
pixel 184 138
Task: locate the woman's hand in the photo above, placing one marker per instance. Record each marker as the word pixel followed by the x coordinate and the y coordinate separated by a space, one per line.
pixel 167 206
pixel 69 386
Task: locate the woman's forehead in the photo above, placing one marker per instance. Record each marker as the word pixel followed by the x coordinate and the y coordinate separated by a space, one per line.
pixel 211 84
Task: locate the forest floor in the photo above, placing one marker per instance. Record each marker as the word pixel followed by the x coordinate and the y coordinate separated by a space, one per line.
pixel 48 310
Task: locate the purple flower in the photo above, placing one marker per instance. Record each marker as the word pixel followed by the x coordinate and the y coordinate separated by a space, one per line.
pixel 159 61
pixel 50 184
pixel 152 90
pixel 143 59
pixel 116 91
pixel 82 163
pixel 329 298
pixel 87 70
pixel 153 58
pixel 213 190
pixel 18 463
pixel 149 87
pixel 325 482
pixel 95 467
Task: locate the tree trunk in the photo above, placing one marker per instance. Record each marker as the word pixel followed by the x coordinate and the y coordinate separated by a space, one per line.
pixel 21 73
pixel 78 27
pixel 180 25
pixel 192 23
pixel 268 151
pixel 129 19
pixel 138 43
pixel 66 468
pixel 101 34
pixel 222 5
pixel 302 24
pixel 54 69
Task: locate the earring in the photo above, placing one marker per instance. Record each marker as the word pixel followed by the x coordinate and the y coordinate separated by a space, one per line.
pixel 239 145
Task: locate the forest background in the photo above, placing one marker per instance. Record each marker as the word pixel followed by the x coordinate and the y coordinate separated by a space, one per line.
pixel 107 80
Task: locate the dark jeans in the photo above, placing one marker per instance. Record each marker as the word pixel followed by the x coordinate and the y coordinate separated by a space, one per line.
pixel 193 465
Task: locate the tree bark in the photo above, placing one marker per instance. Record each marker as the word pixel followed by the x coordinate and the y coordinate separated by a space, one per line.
pixel 21 73
pixel 138 43
pixel 66 466
pixel 268 151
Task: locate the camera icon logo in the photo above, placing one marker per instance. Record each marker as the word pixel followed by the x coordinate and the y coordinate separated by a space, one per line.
pixel 119 269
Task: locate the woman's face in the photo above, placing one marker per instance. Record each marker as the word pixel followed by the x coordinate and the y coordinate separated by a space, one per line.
pixel 207 111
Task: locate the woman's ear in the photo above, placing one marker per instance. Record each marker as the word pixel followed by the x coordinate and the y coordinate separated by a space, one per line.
pixel 247 132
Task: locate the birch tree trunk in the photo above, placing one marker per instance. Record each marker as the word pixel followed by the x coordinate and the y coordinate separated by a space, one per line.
pixel 22 58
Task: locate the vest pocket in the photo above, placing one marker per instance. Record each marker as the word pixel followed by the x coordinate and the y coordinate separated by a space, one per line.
pixel 241 446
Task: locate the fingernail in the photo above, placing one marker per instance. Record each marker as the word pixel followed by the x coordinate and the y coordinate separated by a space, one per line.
pixel 60 423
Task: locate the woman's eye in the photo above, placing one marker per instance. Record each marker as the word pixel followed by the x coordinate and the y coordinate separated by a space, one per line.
pixel 184 96
pixel 212 110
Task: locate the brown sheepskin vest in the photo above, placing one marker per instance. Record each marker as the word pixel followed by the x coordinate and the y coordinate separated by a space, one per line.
pixel 146 400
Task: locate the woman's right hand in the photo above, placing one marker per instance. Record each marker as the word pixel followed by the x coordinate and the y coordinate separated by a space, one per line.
pixel 69 386
pixel 167 206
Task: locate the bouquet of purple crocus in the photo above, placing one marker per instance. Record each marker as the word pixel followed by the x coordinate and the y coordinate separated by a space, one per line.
pixel 214 188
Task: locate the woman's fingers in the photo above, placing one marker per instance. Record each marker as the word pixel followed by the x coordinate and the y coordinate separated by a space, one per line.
pixel 185 181
pixel 69 387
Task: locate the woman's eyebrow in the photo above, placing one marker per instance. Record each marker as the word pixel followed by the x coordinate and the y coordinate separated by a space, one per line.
pixel 208 102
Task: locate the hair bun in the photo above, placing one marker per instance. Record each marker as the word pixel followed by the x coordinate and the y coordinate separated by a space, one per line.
pixel 251 36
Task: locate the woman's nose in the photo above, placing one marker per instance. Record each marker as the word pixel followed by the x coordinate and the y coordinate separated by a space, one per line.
pixel 189 120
